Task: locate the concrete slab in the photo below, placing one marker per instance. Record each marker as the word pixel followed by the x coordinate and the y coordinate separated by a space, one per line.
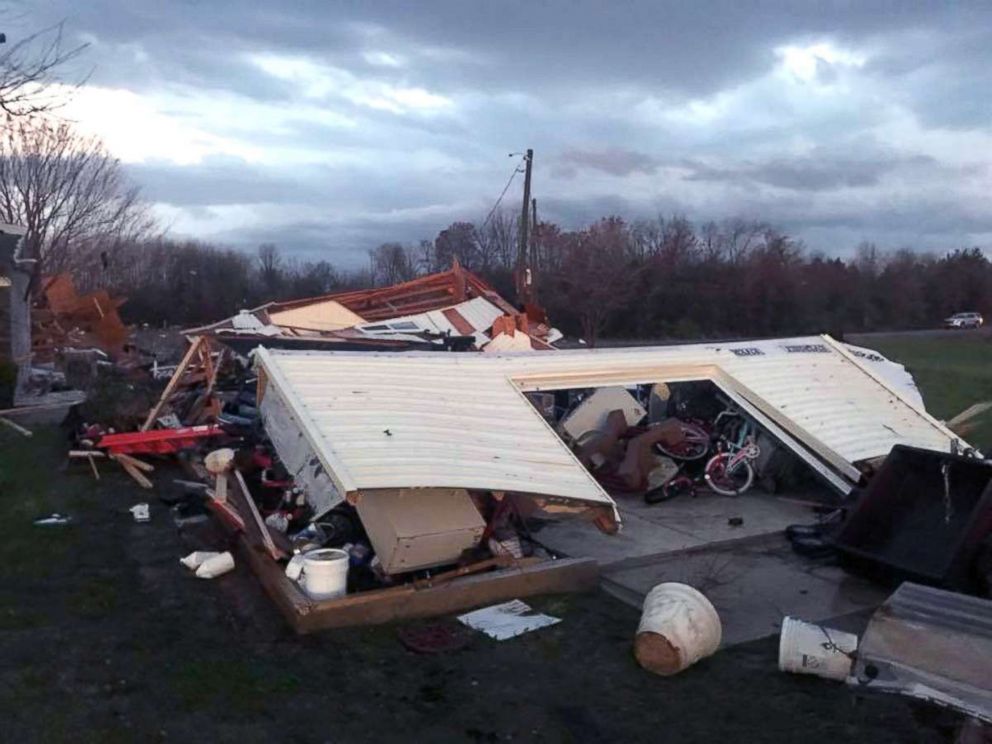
pixel 656 530
pixel 753 584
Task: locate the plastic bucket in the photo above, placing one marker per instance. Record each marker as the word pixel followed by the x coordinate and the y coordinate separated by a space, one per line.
pixel 805 648
pixel 679 626
pixel 325 573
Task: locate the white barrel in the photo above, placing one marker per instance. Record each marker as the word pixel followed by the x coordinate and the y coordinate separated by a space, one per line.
pixel 805 648
pixel 325 573
pixel 679 626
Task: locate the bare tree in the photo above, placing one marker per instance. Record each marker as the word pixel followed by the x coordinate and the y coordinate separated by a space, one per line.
pixel 28 67
pixel 270 266
pixel 68 192
pixel 597 272
pixel 391 263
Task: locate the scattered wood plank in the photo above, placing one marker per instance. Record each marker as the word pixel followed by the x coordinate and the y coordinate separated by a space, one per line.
pixel 87 453
pixel 263 529
pixel 16 427
pixel 136 474
pixel 93 467
pixel 131 460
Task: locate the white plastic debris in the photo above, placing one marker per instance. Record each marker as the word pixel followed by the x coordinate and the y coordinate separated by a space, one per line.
pixel 295 567
pixel 53 520
pixel 507 620
pixel 141 512
pixel 208 564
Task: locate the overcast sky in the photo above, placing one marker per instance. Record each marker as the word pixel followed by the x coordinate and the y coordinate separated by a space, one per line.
pixel 331 127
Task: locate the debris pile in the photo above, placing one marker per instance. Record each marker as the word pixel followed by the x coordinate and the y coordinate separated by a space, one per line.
pixel 450 310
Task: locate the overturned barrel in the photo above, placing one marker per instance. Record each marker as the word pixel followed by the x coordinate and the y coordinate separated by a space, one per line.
pixel 679 626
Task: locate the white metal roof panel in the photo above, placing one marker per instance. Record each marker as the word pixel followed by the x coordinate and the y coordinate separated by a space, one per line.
pixel 383 420
pixel 379 424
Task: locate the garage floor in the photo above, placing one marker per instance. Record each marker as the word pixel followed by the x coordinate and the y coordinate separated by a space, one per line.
pixel 749 572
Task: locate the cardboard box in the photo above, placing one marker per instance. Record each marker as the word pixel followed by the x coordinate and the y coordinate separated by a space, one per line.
pixel 413 528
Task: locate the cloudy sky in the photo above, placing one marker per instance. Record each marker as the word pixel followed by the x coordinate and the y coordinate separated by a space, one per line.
pixel 330 127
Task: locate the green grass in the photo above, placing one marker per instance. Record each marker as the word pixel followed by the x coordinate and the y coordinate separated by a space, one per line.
pixel 236 685
pixel 952 373
pixel 31 487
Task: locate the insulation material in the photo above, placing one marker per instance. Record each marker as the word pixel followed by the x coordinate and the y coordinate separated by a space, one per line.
pixel 320 316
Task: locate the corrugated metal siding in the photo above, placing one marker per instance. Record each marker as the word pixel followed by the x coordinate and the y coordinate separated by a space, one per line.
pixel 420 424
pixel 459 420
pixel 479 313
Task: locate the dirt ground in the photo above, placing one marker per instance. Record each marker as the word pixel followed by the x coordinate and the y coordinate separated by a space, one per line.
pixel 105 637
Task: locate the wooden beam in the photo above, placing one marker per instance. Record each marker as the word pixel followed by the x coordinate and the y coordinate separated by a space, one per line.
pixel 139 464
pixel 16 427
pixel 263 529
pixel 93 467
pixel 388 605
pixel 138 476
pixel 172 384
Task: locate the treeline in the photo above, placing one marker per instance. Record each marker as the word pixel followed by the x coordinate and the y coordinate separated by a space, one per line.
pixel 666 278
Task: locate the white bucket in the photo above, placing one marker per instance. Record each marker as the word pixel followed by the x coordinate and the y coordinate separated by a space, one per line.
pixel 325 573
pixel 679 626
pixel 805 648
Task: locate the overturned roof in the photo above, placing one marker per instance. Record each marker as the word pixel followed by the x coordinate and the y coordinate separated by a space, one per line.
pixel 423 294
pixel 380 420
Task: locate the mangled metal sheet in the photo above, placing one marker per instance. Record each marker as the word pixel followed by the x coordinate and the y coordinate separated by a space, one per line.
pixel 471 318
pixel 379 420
pixel 930 644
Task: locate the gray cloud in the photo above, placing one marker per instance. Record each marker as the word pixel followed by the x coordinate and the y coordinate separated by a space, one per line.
pixel 820 171
pixel 633 108
pixel 614 162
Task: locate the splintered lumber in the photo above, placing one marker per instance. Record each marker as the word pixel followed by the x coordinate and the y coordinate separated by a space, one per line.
pixel 263 529
pixel 136 474
pixel 16 427
pixel 139 464
pixel 170 388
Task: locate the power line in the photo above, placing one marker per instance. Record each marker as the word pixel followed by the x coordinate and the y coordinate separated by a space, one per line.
pixel 513 175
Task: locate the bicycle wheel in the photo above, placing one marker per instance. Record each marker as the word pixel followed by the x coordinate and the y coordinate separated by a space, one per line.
pixel 694 445
pixel 728 477
pixel 675 487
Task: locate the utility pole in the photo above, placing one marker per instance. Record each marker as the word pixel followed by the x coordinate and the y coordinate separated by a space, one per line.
pixel 523 277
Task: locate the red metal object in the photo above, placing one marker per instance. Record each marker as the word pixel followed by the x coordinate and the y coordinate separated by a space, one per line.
pixel 159 441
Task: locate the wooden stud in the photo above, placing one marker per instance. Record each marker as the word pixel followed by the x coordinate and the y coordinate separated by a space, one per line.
pixel 16 427
pixel 132 460
pixel 173 383
pixel 92 462
pixel 131 470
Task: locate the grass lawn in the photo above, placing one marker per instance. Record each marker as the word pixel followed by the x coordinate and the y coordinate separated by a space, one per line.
pixel 952 370
pixel 104 637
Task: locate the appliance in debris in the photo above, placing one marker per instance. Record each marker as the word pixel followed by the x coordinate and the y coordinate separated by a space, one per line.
pixel 922 518
pixel 591 414
pixel 414 528
pixel 929 644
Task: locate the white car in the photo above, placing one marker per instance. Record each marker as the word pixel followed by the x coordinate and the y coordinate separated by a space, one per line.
pixel 964 320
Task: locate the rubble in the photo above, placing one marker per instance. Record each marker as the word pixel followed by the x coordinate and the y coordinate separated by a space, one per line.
pixel 450 310
pixel 932 645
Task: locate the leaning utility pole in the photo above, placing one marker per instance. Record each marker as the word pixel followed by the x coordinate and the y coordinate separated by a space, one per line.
pixel 523 270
